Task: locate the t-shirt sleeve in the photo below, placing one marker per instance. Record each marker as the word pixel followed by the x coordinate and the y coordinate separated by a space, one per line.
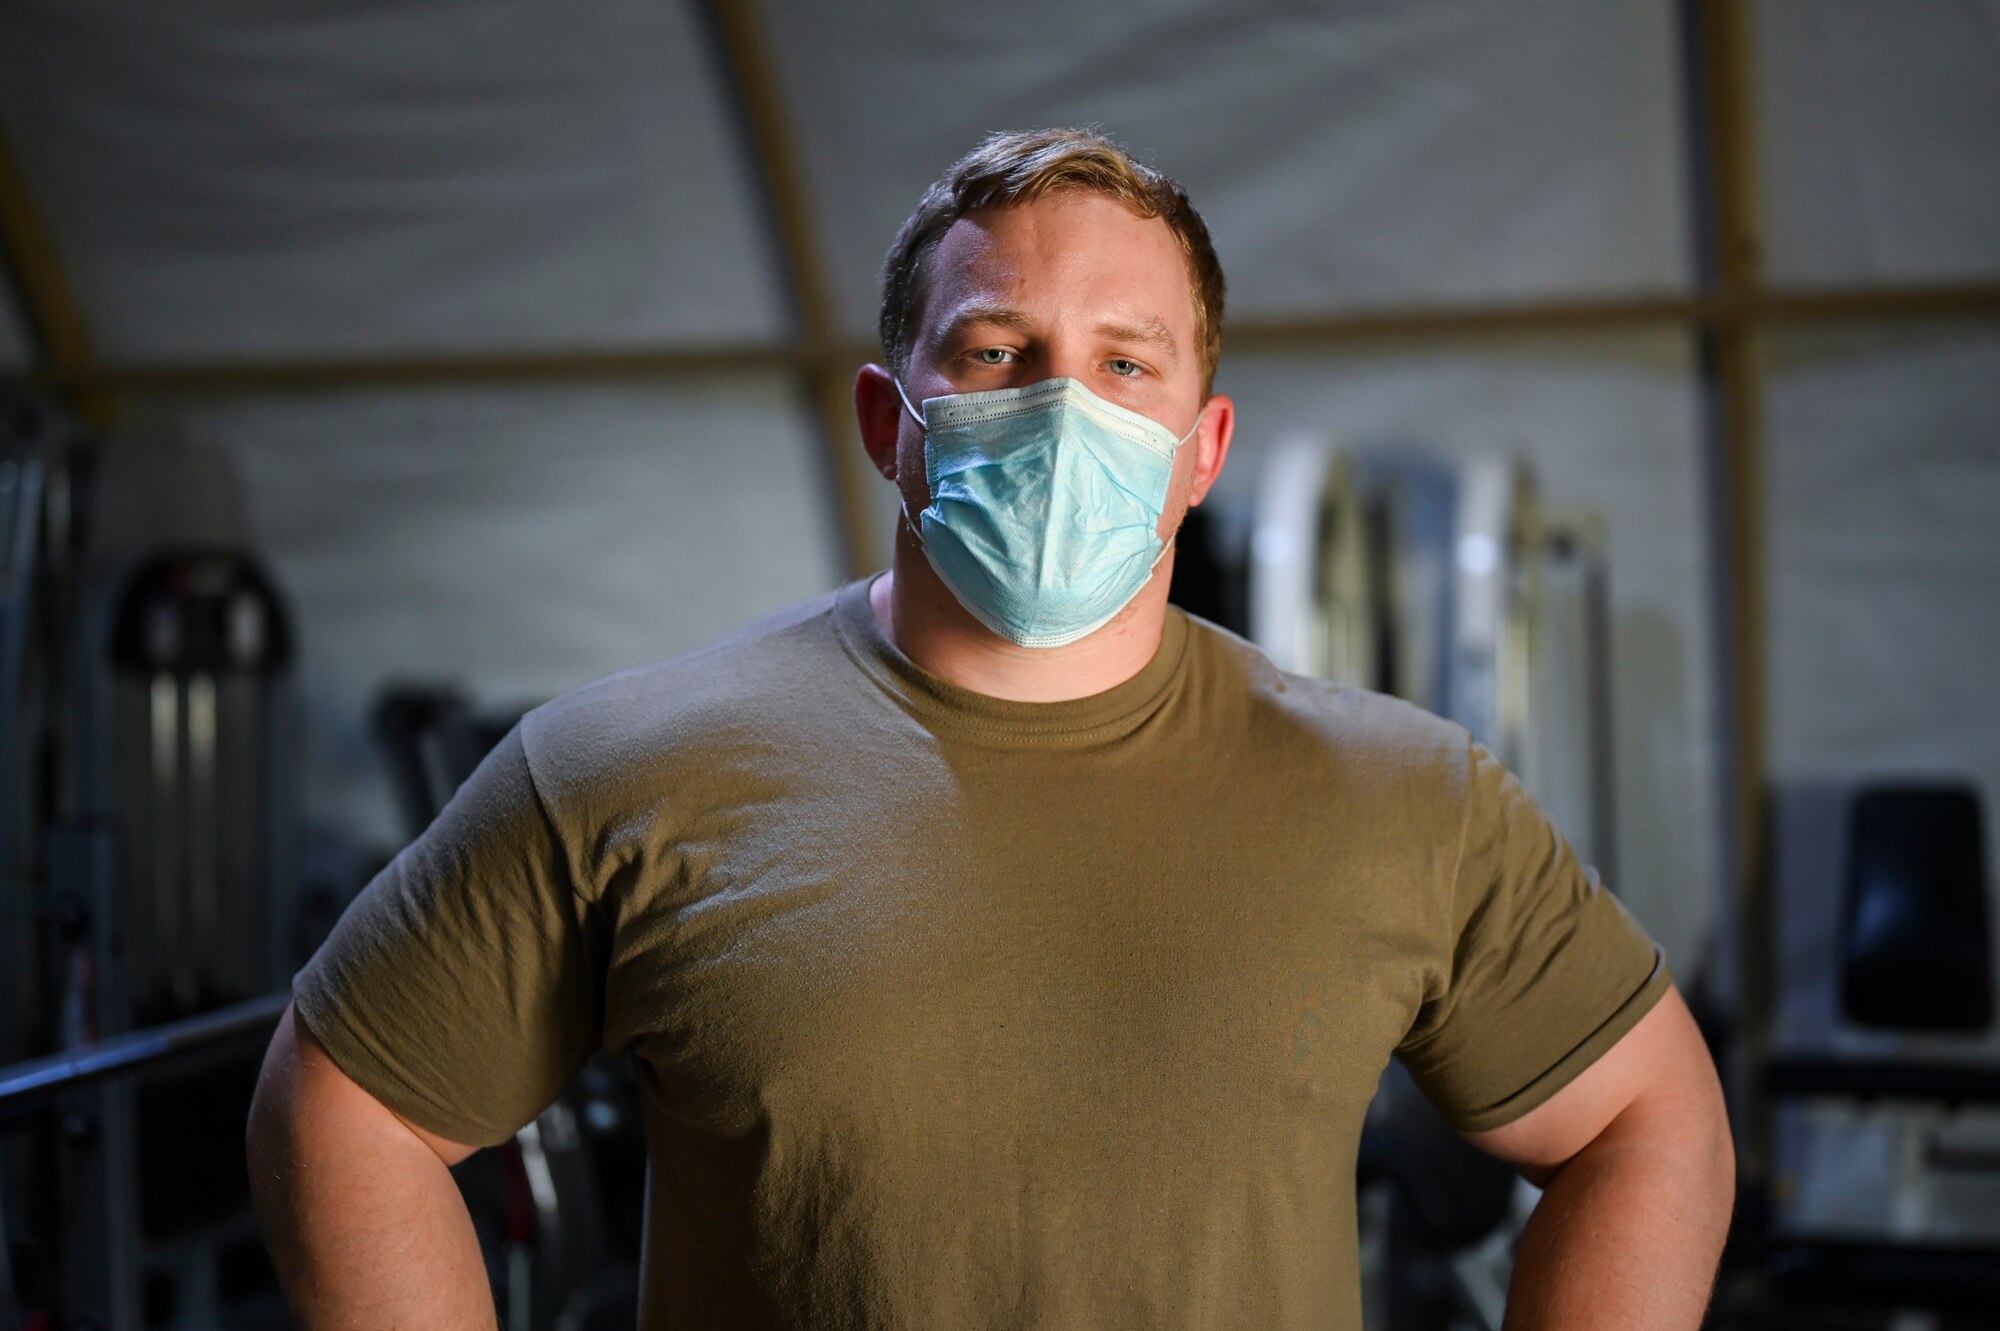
pixel 463 986
pixel 1547 970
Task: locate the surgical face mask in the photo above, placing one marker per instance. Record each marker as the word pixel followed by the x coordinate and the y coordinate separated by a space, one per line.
pixel 1045 505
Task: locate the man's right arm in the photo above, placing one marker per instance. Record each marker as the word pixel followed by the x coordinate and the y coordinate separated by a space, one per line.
pixel 358 1206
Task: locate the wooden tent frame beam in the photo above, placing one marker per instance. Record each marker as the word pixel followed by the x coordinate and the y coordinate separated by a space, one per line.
pixel 1761 310
pixel 826 383
pixel 54 316
pixel 1730 270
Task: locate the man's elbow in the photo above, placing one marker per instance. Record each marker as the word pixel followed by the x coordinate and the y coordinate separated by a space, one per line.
pixel 1720 1156
pixel 1697 1122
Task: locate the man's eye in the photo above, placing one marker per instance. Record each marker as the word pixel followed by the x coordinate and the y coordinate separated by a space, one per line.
pixel 1124 369
pixel 993 355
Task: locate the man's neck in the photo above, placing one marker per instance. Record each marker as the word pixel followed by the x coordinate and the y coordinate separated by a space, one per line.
pixel 920 615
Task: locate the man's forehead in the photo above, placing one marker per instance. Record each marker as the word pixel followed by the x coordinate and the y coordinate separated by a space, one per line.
pixel 1009 265
pixel 1067 222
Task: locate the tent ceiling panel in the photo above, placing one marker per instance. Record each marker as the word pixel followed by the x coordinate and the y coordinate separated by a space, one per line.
pixel 338 179
pixel 521 541
pixel 1881 147
pixel 1610 424
pixel 1344 156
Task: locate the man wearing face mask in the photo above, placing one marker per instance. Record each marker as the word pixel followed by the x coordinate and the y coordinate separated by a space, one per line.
pixel 998 945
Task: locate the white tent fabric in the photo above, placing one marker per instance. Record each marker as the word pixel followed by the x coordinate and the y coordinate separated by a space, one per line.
pixel 1342 155
pixel 333 179
pixel 1880 154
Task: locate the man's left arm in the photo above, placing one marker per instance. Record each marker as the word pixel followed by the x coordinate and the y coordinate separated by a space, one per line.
pixel 1639 1179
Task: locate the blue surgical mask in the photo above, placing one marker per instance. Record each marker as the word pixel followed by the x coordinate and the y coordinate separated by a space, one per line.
pixel 1045 505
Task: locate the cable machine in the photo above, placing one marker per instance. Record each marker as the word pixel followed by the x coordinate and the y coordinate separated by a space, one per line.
pixel 146 703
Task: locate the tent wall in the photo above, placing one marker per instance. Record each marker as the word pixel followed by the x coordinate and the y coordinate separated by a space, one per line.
pixel 1880 149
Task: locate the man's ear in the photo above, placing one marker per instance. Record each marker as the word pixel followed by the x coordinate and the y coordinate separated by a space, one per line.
pixel 879 409
pixel 1218 427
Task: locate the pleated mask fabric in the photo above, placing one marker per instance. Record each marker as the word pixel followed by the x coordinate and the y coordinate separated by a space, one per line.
pixel 1045 505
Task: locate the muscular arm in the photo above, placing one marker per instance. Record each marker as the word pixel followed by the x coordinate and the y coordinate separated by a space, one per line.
pixel 363 1218
pixel 1639 1179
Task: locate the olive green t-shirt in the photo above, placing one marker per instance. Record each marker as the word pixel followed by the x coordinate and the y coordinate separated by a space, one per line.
pixel 957 1012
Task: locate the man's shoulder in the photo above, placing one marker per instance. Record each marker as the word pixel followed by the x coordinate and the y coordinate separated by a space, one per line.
pixel 1360 720
pixel 621 724
pixel 1237 664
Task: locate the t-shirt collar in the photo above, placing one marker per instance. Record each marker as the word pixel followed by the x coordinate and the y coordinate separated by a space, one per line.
pixel 1097 717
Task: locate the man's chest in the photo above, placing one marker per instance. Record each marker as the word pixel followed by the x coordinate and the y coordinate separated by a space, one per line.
pixel 1043 947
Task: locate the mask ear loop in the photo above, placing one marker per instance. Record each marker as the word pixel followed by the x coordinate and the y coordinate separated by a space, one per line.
pixel 902 500
pixel 912 410
pixel 1168 544
pixel 1192 428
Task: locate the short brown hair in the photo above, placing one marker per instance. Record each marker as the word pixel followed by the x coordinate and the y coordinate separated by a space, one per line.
pixel 1020 165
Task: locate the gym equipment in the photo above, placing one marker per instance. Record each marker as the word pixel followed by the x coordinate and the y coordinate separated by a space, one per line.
pixel 196 639
pixel 179 1046
pixel 1915 936
pixel 24 469
pixel 145 665
pixel 183 792
pixel 1313 607
pixel 1898 1066
pixel 32 436
pixel 1399 574
pixel 1493 606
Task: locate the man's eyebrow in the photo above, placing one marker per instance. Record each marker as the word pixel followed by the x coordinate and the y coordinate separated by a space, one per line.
pixel 1152 331
pixel 975 316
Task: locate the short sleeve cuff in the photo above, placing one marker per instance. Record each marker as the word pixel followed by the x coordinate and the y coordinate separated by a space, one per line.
pixel 347 1041
pixel 1571 1065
